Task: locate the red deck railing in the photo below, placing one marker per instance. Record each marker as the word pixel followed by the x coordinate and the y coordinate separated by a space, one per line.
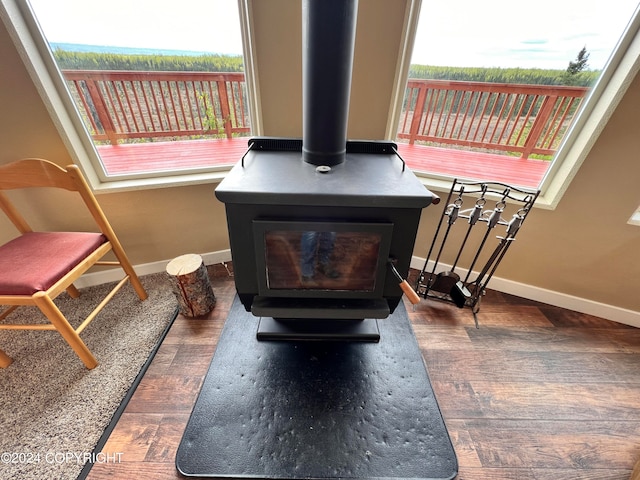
pixel 524 119
pixel 520 119
pixel 118 105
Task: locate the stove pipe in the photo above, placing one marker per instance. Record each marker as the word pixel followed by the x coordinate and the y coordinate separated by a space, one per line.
pixel 328 35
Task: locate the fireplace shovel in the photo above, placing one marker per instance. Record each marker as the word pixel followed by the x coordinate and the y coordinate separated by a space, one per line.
pixel 443 282
pixel 458 291
pixel 449 282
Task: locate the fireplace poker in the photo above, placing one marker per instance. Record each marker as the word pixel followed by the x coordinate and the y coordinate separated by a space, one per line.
pixel 501 249
pixel 473 219
pixel 492 221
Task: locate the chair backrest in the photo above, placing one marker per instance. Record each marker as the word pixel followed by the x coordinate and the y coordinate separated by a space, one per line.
pixel 36 172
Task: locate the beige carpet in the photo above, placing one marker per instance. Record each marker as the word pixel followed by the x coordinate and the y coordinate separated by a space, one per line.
pixel 52 409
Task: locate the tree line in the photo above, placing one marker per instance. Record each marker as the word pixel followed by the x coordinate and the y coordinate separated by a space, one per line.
pixel 527 76
pixel 234 63
pixel 68 60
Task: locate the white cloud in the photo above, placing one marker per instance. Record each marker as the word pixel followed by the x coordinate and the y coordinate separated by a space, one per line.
pixel 504 33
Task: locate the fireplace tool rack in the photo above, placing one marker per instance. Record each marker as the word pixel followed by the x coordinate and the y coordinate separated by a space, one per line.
pixel 490 204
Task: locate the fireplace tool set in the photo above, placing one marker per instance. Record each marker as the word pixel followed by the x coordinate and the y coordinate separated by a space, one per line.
pixel 489 210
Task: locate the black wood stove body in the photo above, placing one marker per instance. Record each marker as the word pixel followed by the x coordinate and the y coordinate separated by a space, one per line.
pixel 315 226
pixel 314 223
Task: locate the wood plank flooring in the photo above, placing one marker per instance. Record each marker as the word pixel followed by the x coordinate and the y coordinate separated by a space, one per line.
pixel 537 392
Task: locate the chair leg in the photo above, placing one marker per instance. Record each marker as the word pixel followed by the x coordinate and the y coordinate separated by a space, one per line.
pixel 5 360
pixel 73 291
pixel 137 286
pixel 635 475
pixel 128 268
pixel 7 311
pixel 55 316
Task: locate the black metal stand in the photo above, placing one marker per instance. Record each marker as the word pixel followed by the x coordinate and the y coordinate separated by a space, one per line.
pixel 449 285
pixel 318 329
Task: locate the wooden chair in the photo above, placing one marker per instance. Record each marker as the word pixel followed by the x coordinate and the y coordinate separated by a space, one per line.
pixel 37 266
pixel 635 474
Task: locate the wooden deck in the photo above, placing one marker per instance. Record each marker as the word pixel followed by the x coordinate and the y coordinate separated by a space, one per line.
pixel 188 154
pixel 474 165
pixel 162 156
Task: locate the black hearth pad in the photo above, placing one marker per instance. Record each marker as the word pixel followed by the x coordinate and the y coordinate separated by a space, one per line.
pixel 294 410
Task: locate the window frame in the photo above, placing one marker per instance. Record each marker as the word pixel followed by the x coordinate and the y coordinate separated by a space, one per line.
pixel 22 25
pixel 635 218
pixel 602 100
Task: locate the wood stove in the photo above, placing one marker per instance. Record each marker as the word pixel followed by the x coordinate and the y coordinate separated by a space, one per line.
pixel 314 223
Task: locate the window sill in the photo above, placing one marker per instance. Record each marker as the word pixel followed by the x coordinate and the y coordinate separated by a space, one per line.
pixel 116 186
pixel 439 186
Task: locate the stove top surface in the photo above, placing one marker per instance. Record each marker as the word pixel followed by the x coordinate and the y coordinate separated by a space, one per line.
pixel 363 179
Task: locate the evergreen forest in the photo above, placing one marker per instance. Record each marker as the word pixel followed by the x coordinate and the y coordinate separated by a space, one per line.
pixel 68 60
pixel 227 63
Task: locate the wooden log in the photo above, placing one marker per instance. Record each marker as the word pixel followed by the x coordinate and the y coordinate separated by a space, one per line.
pixel 191 286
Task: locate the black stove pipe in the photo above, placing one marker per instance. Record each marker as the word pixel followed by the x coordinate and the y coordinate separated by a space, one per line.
pixel 328 34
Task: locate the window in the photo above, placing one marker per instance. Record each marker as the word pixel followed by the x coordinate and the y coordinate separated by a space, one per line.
pixel 158 87
pixel 569 151
pixel 635 218
pixel 491 92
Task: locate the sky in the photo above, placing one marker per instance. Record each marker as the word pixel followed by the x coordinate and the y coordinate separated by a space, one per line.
pixel 491 33
pixel 194 25
pixel 512 33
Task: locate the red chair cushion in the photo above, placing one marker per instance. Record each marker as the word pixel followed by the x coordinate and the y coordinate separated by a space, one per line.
pixel 36 260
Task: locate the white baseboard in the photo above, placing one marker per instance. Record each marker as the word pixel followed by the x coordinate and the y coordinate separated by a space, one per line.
pixel 550 297
pixel 115 274
pixel 582 305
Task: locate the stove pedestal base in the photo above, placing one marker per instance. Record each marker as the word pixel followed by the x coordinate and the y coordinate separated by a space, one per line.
pixel 318 329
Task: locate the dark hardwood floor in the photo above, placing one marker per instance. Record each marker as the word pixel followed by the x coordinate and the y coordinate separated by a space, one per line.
pixel 537 392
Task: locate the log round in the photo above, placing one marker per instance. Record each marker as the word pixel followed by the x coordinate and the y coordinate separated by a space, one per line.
pixel 191 286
